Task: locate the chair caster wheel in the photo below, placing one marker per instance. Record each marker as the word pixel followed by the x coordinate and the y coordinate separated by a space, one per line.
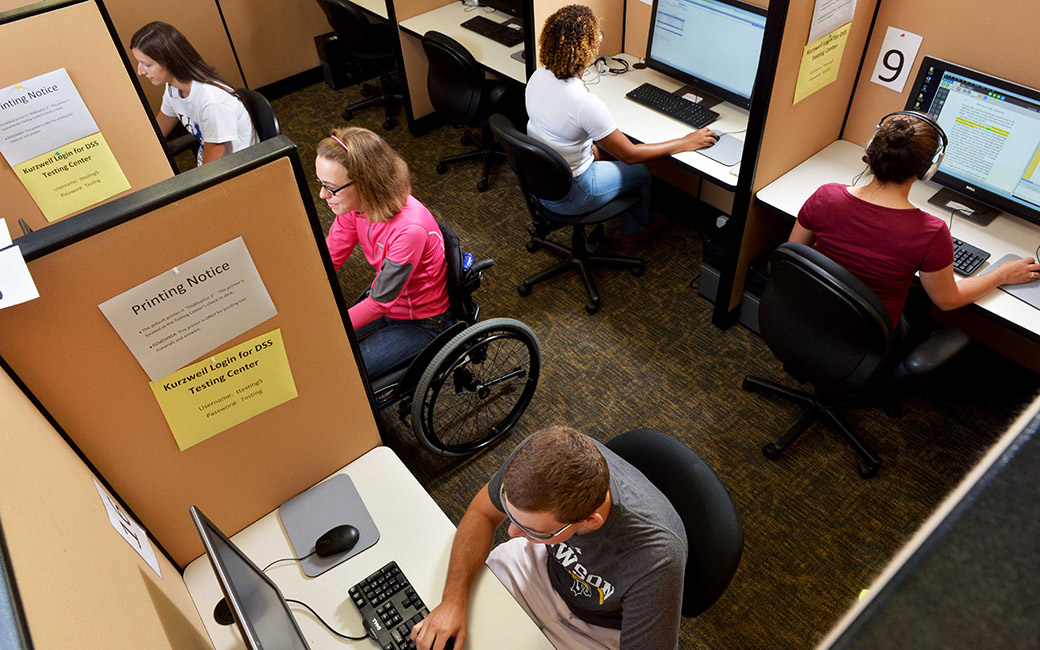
pixel 532 246
pixel 636 271
pixel 772 451
pixel 592 307
pixel 482 186
pixel 347 115
pixel 365 92
pixel 524 290
pixel 867 469
pixel 747 385
pixel 442 168
pixel 388 124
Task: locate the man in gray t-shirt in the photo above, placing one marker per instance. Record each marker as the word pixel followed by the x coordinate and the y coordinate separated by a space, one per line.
pixel 606 550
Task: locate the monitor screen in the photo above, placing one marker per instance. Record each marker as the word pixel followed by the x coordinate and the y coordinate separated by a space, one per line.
pixel 994 130
pixel 710 44
pixel 512 7
pixel 258 606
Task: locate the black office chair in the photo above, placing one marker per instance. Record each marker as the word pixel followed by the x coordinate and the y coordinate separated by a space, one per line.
pixel 831 331
pixel 366 43
pixel 459 92
pixel 544 174
pixel 713 532
pixel 264 120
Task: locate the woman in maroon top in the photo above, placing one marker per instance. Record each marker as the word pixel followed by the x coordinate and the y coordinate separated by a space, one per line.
pixel 877 234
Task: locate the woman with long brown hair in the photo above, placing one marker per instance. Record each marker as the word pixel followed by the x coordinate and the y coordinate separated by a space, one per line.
pixel 195 95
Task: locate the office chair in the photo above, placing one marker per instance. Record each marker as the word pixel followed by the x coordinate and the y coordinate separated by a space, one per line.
pixel 264 120
pixel 713 533
pixel 829 330
pixel 370 43
pixel 459 92
pixel 544 174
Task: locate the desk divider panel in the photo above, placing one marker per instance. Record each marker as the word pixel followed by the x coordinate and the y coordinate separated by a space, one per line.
pixel 70 358
pixel 75 35
pixel 81 585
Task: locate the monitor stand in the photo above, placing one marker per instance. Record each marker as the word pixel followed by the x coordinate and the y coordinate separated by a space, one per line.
pixel 519 56
pixel 965 207
pixel 702 98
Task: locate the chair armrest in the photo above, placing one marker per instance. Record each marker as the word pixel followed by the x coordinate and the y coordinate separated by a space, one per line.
pixel 936 350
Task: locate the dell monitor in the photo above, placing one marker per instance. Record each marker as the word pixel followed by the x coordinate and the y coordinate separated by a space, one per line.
pixel 257 605
pixel 993 127
pixel 513 8
pixel 712 45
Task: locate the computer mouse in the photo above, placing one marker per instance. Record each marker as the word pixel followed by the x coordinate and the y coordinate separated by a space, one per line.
pixel 340 539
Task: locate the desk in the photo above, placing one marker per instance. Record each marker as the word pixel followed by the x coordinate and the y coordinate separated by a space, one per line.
pixel 492 56
pixel 376 8
pixel 840 161
pixel 644 125
pixel 413 531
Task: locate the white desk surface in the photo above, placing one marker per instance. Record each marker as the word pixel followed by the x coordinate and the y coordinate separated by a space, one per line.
pixel 494 56
pixel 840 161
pixel 374 7
pixel 413 532
pixel 645 125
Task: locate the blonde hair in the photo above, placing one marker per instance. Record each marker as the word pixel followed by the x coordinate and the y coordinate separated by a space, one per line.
pixel 569 40
pixel 380 175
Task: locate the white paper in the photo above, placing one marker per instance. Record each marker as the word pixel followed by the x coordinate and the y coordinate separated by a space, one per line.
pixel 40 115
pixel 897 56
pixel 5 234
pixel 16 284
pixel 129 529
pixel 829 15
pixel 186 312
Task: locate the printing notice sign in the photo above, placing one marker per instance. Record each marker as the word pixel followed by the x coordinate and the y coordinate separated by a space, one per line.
pixel 226 389
pixel 184 313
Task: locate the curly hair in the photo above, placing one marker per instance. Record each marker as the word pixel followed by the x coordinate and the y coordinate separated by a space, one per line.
pixel 380 175
pixel 569 40
pixel 901 148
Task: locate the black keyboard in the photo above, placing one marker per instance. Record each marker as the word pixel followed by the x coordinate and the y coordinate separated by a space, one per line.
pixel 389 606
pixel 498 32
pixel 967 258
pixel 673 106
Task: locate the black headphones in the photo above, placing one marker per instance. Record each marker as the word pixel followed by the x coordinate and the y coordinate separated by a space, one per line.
pixel 609 64
pixel 940 151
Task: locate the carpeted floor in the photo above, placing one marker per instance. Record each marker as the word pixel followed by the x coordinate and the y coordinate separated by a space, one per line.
pixel 816 534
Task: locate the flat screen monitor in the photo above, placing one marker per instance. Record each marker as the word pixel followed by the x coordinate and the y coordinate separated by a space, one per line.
pixel 993 128
pixel 514 8
pixel 259 609
pixel 712 45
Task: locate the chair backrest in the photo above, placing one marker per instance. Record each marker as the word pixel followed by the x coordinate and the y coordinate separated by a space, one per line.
pixel 454 79
pixel 542 171
pixel 821 321
pixel 713 531
pixel 460 293
pixel 350 24
pixel 264 120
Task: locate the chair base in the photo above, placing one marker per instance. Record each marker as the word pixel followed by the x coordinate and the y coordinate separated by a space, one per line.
pixel 488 152
pixel 577 258
pixel 815 409
pixel 386 97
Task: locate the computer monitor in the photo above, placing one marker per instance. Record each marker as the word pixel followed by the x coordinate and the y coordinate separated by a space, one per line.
pixel 712 45
pixel 993 128
pixel 259 609
pixel 514 8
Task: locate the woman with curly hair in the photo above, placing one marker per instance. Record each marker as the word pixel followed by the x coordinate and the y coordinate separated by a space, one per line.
pixel 367 186
pixel 577 124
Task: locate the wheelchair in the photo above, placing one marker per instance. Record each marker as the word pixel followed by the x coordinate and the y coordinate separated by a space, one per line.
pixel 471 384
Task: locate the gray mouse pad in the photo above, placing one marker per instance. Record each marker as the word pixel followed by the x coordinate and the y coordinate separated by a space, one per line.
pixel 307 516
pixel 726 151
pixel 1028 292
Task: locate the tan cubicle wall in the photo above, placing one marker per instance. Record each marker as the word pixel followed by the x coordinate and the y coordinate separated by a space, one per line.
pixel 88 52
pixel 198 20
pixel 612 13
pixel 412 55
pixel 998 38
pixel 74 363
pixel 81 584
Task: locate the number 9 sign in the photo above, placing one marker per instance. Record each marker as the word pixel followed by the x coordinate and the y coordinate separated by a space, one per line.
pixel 897 56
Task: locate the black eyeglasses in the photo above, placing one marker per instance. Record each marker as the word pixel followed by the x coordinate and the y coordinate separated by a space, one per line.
pixel 526 531
pixel 333 191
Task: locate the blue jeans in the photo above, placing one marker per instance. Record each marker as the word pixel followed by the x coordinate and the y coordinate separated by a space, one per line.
pixel 601 183
pixel 387 343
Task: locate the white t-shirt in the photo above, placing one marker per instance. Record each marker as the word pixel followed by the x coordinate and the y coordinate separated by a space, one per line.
pixel 567 117
pixel 211 114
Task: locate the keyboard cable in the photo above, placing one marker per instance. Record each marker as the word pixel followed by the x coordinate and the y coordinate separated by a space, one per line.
pixel 329 627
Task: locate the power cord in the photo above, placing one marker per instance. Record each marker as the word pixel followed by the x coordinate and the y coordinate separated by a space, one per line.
pixel 327 626
pixel 286 559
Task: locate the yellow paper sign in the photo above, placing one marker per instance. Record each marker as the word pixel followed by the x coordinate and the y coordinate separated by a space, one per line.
pixel 201 400
pixel 72 177
pixel 820 62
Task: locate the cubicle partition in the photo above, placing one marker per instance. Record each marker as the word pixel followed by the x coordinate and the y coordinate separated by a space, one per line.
pixel 78 36
pixel 70 358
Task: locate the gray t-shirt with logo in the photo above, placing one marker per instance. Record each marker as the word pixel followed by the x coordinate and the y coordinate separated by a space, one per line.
pixel 628 574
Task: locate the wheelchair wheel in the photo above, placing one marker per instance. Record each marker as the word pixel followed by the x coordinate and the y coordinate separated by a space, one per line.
pixel 476 387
